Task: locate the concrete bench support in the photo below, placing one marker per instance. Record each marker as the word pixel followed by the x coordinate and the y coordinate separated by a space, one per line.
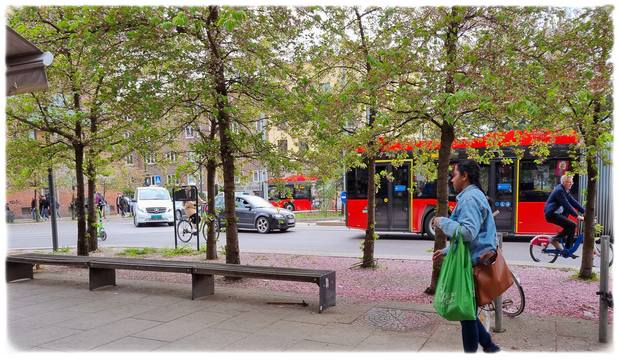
pixel 101 277
pixel 18 271
pixel 202 285
pixel 327 292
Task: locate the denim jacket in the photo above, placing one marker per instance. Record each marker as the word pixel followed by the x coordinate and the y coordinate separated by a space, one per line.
pixel 474 215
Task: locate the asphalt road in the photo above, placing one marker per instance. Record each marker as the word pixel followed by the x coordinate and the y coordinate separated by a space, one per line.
pixel 306 238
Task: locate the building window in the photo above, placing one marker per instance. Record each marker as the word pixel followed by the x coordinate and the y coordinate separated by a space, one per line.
pixel 171 156
pixel 172 179
pixel 150 159
pixel 191 179
pixel 326 86
pixel 303 146
pixel 237 179
pixel 32 134
pixel 283 145
pixel 189 132
pixel 129 159
pixel 263 176
pixel 256 176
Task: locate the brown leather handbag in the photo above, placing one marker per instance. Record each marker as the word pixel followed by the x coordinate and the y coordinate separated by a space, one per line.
pixel 492 277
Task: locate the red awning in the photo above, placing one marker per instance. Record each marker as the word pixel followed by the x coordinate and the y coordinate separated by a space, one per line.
pixel 25 65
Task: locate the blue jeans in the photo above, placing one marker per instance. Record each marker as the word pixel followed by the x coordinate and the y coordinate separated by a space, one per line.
pixel 473 332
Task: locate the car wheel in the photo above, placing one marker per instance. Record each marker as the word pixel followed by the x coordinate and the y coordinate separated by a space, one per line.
pixel 428 229
pixel 289 207
pixel 135 221
pixel 171 223
pixel 262 225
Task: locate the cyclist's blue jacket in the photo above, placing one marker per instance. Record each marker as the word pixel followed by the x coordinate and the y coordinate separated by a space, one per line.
pixel 560 198
pixel 474 215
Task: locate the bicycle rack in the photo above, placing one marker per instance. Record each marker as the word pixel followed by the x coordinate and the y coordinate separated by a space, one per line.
pixel 185 193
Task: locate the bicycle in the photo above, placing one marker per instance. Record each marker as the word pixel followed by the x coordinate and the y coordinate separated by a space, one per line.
pixel 102 235
pixel 185 230
pixel 540 249
pixel 513 304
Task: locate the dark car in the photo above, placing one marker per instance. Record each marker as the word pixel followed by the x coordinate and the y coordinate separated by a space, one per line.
pixel 254 212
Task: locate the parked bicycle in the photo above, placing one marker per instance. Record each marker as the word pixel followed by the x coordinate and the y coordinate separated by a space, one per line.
pixel 186 230
pixel 541 249
pixel 513 304
pixel 102 235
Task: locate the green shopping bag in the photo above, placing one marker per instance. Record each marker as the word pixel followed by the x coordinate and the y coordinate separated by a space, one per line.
pixel 455 298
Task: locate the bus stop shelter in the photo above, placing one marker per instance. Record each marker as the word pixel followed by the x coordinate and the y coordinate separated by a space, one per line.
pixel 25 65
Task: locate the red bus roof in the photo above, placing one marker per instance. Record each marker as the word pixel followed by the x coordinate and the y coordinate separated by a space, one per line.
pixel 509 138
pixel 293 178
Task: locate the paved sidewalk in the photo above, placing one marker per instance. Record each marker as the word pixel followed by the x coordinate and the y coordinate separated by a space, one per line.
pixel 57 312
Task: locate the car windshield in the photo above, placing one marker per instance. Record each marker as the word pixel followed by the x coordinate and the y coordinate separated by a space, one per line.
pixel 257 202
pixel 153 194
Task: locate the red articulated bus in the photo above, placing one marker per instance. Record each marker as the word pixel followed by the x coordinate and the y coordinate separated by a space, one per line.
pixel 293 193
pixel 406 203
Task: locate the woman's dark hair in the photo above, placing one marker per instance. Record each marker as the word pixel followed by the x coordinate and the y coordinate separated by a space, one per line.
pixel 472 169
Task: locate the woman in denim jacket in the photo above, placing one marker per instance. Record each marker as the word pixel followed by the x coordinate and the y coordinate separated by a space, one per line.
pixel 473 214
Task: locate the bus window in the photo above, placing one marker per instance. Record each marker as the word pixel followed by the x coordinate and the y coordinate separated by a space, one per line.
pixel 484 178
pixel 301 192
pixel 357 184
pixel 428 189
pixel 537 181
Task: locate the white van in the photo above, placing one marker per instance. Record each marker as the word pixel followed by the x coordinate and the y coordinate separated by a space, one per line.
pixel 153 204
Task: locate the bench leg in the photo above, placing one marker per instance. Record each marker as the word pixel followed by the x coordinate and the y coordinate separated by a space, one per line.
pixel 202 285
pixel 327 292
pixel 17 271
pixel 101 277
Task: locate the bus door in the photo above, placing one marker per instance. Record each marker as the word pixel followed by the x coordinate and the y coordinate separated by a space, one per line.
pixel 392 199
pixel 501 191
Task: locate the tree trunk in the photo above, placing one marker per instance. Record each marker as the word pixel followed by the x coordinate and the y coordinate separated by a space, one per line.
pixel 211 241
pixel 445 148
pixel 91 174
pixel 92 207
pixel 369 239
pixel 226 146
pixel 82 243
pixel 585 272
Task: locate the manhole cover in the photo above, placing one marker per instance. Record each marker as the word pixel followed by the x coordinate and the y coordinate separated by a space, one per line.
pixel 398 320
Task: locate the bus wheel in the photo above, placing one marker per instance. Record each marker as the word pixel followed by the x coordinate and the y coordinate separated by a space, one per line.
pixel 428 229
pixel 289 207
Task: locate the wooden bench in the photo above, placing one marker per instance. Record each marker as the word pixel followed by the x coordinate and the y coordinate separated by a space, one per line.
pixel 102 272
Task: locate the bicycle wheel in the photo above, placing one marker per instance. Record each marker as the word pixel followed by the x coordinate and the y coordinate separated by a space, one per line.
pixel 205 229
pixel 596 261
pixel 538 245
pixel 103 236
pixel 184 230
pixel 513 299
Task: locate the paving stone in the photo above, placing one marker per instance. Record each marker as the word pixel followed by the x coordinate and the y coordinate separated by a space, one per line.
pixel 249 321
pixel 99 336
pixel 183 326
pixel 260 343
pixel 309 345
pixel 25 338
pixel 390 341
pixel 289 329
pixel 340 334
pixel 131 343
pixel 51 318
pixel 171 311
pixel 209 339
pixel 526 333
pixel 445 338
pixel 92 320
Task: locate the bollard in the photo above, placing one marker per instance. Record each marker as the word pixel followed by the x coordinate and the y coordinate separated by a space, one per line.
pixel 603 290
pixel 498 328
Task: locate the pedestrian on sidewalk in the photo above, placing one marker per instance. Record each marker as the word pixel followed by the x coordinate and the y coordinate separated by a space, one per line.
pixel 33 208
pixel 474 217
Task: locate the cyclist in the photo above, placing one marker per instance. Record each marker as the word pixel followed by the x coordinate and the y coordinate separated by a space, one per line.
pixel 559 205
pixel 190 211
